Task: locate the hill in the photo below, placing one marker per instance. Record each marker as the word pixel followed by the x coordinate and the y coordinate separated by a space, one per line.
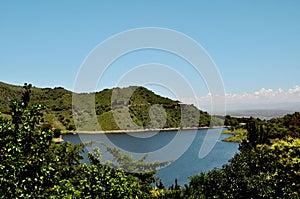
pixel 116 109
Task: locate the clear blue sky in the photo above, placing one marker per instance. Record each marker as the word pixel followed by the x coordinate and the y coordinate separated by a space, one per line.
pixel 255 44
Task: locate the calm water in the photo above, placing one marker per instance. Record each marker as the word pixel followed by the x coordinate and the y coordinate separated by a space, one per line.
pixel 182 147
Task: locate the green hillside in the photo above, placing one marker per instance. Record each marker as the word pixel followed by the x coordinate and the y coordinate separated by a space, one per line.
pixel 119 108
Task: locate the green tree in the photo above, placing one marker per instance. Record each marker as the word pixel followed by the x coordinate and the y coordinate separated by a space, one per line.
pixel 30 163
pixel 32 166
pixel 264 171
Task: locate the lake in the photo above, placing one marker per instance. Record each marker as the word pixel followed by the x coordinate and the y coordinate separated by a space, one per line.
pixel 182 147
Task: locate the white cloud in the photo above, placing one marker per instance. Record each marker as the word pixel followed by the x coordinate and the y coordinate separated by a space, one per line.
pixel 262 99
pixel 294 91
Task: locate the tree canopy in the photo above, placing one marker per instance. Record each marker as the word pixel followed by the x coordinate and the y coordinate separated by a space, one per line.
pixel 33 166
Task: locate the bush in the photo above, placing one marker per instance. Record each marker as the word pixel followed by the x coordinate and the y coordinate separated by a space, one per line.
pixel 32 166
pixel 57 133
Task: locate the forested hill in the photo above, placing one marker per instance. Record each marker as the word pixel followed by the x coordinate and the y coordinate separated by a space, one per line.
pixel 58 113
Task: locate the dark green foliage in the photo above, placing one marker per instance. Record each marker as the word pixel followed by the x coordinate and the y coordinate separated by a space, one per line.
pixel 57 133
pixel 288 125
pixel 257 132
pixel 99 181
pixel 30 163
pixel 32 166
pixel 231 122
pixel 144 171
pixel 257 173
pixel 128 164
pixel 267 166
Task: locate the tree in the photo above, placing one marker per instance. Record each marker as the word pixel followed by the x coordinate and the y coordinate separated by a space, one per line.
pixel 32 166
pixel 231 122
pixel 143 171
pixel 266 171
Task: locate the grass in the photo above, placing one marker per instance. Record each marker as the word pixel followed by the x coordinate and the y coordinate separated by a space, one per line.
pixel 238 135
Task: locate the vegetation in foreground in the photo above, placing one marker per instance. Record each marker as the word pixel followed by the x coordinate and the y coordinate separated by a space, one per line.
pixel 31 165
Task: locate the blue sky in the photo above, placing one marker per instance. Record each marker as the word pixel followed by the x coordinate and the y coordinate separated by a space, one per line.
pixel 255 44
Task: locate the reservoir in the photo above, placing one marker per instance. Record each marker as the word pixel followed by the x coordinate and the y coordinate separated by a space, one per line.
pixel 182 147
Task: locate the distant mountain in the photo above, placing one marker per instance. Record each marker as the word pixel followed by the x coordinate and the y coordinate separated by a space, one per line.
pixel 261 113
pixel 130 108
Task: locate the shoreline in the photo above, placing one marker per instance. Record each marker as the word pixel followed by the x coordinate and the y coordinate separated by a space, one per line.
pixel 139 130
pixel 236 136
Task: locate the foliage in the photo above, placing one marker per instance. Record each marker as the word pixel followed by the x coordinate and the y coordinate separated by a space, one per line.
pixel 261 131
pixel 262 172
pixel 128 164
pixel 144 171
pixel 238 135
pixel 108 102
pixel 32 166
pixel 58 103
pixel 28 158
pixel 267 165
pixel 231 122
